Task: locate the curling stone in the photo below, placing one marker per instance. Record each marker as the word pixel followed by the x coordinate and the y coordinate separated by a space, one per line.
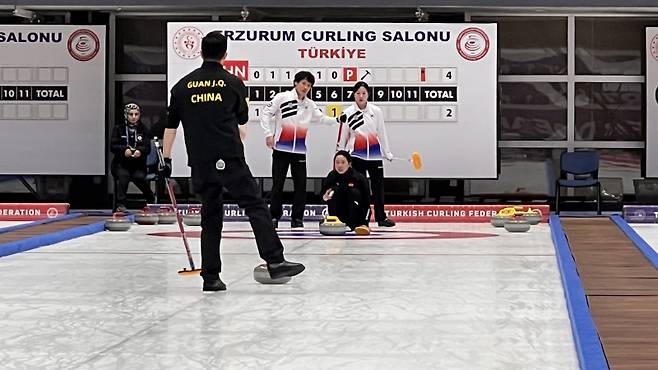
pixel 118 222
pixel 166 215
pixel 332 226
pixel 262 276
pixel 532 217
pixel 510 211
pixel 499 220
pixel 146 217
pixel 193 217
pixel 517 226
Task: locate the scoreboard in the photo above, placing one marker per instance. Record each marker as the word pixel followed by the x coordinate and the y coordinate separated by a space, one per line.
pixel 435 83
pixel 52 99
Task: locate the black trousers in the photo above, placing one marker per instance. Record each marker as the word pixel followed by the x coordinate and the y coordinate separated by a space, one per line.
pixel 376 171
pixel 348 207
pixel 280 163
pixel 237 179
pixel 123 175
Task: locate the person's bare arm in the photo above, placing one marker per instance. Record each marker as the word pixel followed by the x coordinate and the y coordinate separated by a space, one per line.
pixel 243 131
pixel 169 137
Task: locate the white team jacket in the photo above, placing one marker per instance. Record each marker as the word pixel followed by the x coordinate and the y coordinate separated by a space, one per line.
pixel 288 119
pixel 364 134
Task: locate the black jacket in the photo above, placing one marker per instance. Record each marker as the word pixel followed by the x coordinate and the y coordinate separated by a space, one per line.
pixel 350 179
pixel 211 103
pixel 124 138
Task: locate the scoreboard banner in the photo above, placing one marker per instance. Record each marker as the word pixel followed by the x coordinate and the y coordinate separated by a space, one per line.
pixel 436 85
pixel 52 99
pixel 652 102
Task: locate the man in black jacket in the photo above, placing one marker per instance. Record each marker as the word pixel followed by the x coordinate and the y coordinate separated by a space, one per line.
pixel 211 103
pixel 347 193
pixel 131 144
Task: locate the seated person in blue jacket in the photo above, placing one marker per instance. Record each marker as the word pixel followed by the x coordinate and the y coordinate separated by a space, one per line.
pixel 347 194
pixel 131 144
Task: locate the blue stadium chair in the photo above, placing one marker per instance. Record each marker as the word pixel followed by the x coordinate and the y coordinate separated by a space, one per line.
pixel 583 167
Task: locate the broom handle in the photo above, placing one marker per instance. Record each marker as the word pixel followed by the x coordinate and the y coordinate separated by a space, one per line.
pixel 340 131
pixel 416 166
pixel 172 197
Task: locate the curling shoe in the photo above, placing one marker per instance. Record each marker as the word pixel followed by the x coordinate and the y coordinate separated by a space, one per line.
pixel 285 268
pixel 296 224
pixel 386 223
pixel 362 230
pixel 213 285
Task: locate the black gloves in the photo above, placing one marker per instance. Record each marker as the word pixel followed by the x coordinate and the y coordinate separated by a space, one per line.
pixel 165 170
pixel 342 118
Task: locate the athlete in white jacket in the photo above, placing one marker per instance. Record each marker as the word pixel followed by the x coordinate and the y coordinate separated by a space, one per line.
pixel 364 133
pixel 285 121
pixel 364 136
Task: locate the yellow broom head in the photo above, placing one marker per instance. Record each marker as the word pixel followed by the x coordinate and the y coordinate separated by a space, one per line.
pixel 416 161
pixel 186 272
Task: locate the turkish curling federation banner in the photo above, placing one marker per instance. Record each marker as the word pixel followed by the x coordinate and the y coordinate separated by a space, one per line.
pixel 401 213
pixel 52 99
pixel 436 85
pixel 652 102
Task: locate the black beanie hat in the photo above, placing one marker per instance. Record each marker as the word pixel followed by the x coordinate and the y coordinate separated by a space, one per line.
pixel 345 154
pixel 359 85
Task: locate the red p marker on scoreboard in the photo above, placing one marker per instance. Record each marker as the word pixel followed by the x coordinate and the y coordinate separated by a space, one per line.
pixel 349 74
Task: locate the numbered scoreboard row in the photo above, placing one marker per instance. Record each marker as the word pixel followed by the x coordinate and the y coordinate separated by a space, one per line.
pixel 346 74
pixel 377 93
pixel 34 111
pixel 30 93
pixel 392 112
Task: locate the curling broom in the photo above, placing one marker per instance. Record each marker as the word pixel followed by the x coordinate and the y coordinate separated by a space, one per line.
pixel 415 160
pixel 185 272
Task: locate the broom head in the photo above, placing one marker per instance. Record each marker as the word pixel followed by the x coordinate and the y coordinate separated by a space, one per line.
pixel 186 272
pixel 416 161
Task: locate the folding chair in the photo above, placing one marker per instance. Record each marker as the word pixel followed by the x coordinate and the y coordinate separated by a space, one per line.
pixel 583 166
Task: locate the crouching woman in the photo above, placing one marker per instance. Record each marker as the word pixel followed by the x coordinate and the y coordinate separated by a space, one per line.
pixel 347 194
